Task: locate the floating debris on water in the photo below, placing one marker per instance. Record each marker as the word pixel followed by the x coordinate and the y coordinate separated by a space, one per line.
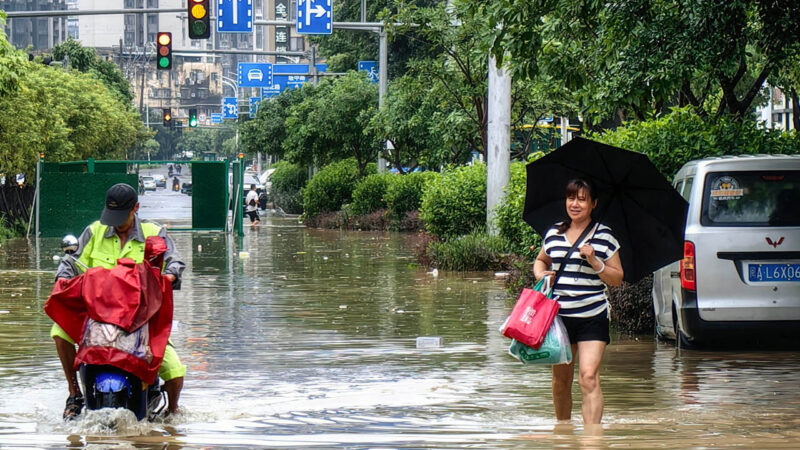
pixel 429 341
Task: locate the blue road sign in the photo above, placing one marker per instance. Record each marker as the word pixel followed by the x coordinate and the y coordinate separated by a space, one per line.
pixel 371 67
pixel 216 118
pixel 283 82
pixel 255 102
pixel 255 75
pixel 314 17
pixel 230 108
pixel 235 16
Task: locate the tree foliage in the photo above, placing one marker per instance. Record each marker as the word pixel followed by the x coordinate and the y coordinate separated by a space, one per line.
pixel 12 62
pixel 636 58
pixel 67 116
pixel 344 48
pixel 85 59
pixel 329 124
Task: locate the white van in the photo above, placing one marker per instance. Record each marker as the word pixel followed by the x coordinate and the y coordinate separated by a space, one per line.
pixel 740 274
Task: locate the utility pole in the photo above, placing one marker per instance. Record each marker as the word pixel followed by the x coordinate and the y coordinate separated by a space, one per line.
pixel 498 155
pixel 382 82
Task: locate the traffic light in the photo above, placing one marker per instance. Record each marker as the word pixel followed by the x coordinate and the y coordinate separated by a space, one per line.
pixel 164 57
pixel 199 23
pixel 192 117
pixel 166 116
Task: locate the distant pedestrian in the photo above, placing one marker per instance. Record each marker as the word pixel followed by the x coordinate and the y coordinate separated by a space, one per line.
pixel 251 205
pixel 581 294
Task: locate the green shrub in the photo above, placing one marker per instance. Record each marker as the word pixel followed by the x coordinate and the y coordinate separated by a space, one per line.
pixel 288 181
pixel 476 251
pixel 508 217
pixel 331 187
pixel 682 135
pixel 455 202
pixel 404 194
pixel 370 193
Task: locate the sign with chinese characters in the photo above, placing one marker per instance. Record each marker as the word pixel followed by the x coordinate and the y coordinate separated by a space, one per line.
pixel 216 118
pixel 254 75
pixel 235 16
pixel 314 17
pixel 230 108
pixel 282 82
pixel 282 34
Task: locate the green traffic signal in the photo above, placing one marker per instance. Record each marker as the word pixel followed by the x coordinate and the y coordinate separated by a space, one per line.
pixel 163 62
pixel 193 118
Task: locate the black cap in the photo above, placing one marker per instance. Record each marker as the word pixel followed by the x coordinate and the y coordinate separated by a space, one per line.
pixel 120 200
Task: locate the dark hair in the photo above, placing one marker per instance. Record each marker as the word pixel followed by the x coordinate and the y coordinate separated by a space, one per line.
pixel 574 186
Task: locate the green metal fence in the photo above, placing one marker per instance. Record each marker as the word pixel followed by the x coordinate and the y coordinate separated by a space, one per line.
pixel 72 194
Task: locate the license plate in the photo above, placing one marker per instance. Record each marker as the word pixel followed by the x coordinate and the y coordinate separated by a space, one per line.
pixel 773 272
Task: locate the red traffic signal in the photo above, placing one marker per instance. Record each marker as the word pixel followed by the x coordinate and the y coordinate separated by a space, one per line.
pixel 164 47
pixel 199 19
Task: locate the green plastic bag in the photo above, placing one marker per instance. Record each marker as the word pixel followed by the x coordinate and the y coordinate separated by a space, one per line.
pixel 555 348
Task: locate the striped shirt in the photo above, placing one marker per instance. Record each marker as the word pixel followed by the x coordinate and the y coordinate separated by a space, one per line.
pixel 579 291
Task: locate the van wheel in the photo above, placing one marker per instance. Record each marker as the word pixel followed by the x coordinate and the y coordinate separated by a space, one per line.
pixel 681 341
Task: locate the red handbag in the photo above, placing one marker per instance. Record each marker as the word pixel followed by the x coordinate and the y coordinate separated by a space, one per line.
pixel 531 317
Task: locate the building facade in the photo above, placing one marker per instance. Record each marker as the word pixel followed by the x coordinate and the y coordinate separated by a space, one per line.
pixel 779 112
pixel 38 33
pixel 195 81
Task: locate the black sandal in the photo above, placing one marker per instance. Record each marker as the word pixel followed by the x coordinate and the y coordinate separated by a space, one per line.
pixel 74 406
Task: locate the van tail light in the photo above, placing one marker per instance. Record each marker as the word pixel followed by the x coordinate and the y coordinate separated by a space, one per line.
pixel 688 274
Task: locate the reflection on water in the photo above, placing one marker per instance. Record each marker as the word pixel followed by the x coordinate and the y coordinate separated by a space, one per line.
pixel 298 337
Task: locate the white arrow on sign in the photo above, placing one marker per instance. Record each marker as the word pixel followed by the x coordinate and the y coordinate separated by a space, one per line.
pixel 318 11
pixel 235 11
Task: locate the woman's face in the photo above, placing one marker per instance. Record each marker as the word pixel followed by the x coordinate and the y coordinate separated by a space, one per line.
pixel 580 206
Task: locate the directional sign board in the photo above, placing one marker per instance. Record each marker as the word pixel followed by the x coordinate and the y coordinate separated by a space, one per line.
pixel 235 16
pixel 255 75
pixel 230 108
pixel 314 17
pixel 255 102
pixel 216 118
pixel 283 82
pixel 371 67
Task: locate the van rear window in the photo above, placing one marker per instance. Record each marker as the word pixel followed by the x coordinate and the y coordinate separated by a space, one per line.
pixel 753 198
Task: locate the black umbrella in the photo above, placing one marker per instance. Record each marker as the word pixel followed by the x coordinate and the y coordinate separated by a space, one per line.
pixel 645 213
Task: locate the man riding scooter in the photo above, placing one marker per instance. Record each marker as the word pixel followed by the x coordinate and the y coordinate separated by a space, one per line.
pixel 118 234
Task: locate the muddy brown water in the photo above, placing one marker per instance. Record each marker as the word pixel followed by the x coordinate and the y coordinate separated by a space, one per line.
pixel 306 338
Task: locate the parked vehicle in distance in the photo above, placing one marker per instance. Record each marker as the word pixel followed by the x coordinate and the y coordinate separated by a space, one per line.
pixel 161 180
pixel 186 188
pixel 149 183
pixel 740 274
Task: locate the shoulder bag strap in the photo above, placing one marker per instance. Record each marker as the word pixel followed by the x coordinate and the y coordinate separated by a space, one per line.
pixel 569 253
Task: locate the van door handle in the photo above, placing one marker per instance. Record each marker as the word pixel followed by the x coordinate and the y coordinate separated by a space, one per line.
pixel 674 274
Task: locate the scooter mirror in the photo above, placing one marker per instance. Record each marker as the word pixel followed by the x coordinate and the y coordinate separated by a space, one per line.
pixel 69 244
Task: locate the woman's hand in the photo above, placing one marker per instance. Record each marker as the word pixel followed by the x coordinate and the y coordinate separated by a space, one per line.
pixel 587 252
pixel 547 273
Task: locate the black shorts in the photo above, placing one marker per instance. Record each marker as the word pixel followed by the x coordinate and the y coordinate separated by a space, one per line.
pixel 587 328
pixel 253 215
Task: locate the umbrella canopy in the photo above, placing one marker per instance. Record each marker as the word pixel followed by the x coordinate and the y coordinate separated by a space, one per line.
pixel 644 211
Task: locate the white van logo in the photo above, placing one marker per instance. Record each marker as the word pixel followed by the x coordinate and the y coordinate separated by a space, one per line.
pixel 527 315
pixel 775 244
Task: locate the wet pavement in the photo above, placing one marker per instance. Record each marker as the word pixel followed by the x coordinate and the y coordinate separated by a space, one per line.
pixel 297 337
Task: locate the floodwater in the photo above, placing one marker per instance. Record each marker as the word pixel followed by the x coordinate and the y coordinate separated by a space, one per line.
pixel 297 337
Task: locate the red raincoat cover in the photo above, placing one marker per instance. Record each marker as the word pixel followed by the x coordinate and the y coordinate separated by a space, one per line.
pixel 129 296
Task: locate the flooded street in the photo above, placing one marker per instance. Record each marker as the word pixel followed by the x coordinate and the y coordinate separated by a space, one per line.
pixel 297 337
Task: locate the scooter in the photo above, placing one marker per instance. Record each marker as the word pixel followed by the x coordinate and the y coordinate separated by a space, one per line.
pixel 106 386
